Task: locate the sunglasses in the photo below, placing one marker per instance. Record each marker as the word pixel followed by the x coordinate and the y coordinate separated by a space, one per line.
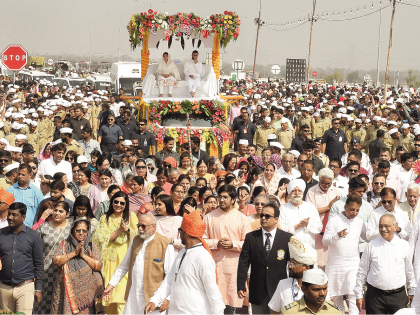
pixel 151 169
pixel 167 165
pixel 140 167
pixel 415 144
pixel 143 226
pixel 4 160
pixel 141 125
pixel 81 231
pixel 353 171
pixel 260 204
pixel 33 167
pixel 267 216
pixel 379 184
pixel 122 203
pixel 387 202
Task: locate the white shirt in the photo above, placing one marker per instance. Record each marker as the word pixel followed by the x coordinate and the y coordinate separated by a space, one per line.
pixel 136 302
pixel 405 179
pixel 272 233
pixel 288 291
pixel 4 223
pixel 291 216
pixel 386 266
pixel 365 160
pixel 192 68
pixel 293 173
pixel 48 167
pixel 192 285
pixel 372 228
pixel 342 184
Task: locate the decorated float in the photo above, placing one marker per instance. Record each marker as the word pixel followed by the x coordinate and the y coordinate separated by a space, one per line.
pixel 182 116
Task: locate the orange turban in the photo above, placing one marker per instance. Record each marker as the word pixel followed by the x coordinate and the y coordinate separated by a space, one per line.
pixel 6 197
pixel 221 173
pixel 193 225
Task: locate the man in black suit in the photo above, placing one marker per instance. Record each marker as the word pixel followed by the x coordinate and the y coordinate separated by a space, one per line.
pixel 267 252
pixel 376 145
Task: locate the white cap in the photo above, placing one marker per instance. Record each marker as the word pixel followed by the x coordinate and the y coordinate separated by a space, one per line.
pixel 384 120
pixel 358 120
pixel 243 141
pixel 10 167
pixel 267 119
pixel 4 141
pixel 376 118
pixel 350 108
pixel 362 115
pixel 82 159
pixel 315 276
pixel 127 142
pixel 271 136
pixel 66 130
pixel 296 153
pixel 304 109
pixel 316 114
pixel 20 137
pixel 276 144
pixel 405 126
pixel 391 122
pixel 284 120
pixel 13 149
pixel 16 126
pixel 392 131
pixel 367 121
pixel 349 118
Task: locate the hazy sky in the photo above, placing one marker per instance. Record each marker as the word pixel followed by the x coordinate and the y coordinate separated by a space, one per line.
pixel 51 27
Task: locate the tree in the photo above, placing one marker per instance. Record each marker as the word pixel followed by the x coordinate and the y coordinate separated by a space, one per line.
pixel 354 77
pixel 336 76
pixel 411 79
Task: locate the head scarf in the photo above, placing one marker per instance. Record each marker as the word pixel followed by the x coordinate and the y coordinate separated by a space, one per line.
pixel 41 155
pixel 276 159
pixel 6 197
pixel 303 253
pixel 77 262
pixel 271 185
pixel 168 67
pixel 150 161
pixel 221 173
pixel 258 161
pixel 150 178
pixel 296 183
pixel 241 160
pixel 193 225
pixel 171 161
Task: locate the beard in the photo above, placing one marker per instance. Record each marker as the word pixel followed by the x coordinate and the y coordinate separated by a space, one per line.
pixel 296 199
pixel 145 235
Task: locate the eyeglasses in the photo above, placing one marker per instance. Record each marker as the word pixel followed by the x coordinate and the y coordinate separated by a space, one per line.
pixel 336 123
pixel 142 167
pixel 75 171
pixel 33 167
pixel 266 216
pixel 305 130
pixel 122 203
pixel 167 165
pixel 260 204
pixel 417 144
pixel 151 169
pixel 353 171
pixel 292 264
pixel 81 231
pixel 379 184
pixel 110 119
pixel 141 125
pixel 143 226
pixel 387 202
pixel 4 160
pixel 333 166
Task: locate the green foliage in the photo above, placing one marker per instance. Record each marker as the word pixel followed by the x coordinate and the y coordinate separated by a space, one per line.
pixel 336 76
pixel 412 79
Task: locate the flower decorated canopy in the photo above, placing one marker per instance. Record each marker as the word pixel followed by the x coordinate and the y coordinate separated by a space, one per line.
pixel 183 25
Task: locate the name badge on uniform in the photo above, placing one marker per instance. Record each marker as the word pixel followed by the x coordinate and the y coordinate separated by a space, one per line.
pixel 340 139
pixel 245 131
pixel 145 143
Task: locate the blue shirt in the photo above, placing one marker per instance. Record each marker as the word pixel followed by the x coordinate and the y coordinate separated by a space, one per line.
pixel 31 196
pixel 21 256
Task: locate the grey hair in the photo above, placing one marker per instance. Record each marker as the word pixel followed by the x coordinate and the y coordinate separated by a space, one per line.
pixel 389 215
pixel 413 186
pixel 326 173
pixel 288 154
pixel 129 175
pixel 148 214
pixel 266 199
pixel 173 170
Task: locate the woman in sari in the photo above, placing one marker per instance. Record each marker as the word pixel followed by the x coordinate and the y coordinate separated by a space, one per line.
pixel 104 163
pixel 167 74
pixel 83 210
pixel 137 198
pixel 46 153
pixel 83 184
pixel 185 163
pixel 112 236
pixel 52 233
pixel 104 205
pixel 270 179
pixel 253 176
pixel 161 180
pixel 148 207
pixel 177 194
pixel 202 168
pixel 168 222
pixel 127 183
pixel 79 284
pixel 143 171
pixel 99 192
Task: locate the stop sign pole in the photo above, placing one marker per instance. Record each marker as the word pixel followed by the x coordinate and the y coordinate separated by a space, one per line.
pixel 14 58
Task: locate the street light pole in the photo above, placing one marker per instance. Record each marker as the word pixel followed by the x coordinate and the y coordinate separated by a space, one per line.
pixel 379 48
pixel 389 49
pixel 310 43
pixel 256 43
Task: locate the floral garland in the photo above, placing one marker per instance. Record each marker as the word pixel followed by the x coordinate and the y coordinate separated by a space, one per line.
pixel 210 108
pixel 183 24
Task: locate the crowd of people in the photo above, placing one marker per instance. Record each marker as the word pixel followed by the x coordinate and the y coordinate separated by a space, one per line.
pixel 314 210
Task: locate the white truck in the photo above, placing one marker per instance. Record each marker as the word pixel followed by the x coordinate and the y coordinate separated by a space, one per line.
pixel 99 81
pixel 127 76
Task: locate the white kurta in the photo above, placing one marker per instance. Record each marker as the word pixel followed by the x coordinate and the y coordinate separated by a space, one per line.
pixel 136 303
pixel 372 227
pixel 192 286
pixel 415 248
pixel 343 253
pixel 291 216
pixel 194 69
pixel 48 167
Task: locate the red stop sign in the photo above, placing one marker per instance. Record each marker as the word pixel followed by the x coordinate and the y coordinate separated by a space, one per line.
pixel 14 57
pixel 314 74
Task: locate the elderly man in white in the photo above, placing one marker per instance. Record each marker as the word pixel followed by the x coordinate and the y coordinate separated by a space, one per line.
pixel 411 206
pixel 299 217
pixel 388 200
pixel 192 71
pixel 342 235
pixel 386 266
pixel 286 170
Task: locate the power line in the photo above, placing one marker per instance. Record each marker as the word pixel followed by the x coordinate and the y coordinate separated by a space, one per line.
pixel 288 29
pixel 354 18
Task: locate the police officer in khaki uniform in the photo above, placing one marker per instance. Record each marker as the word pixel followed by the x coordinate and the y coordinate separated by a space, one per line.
pixel 350 127
pixel 67 138
pixel 260 138
pixel 406 138
pixel 33 136
pixel 317 127
pixel 284 134
pixel 359 132
pixel 314 288
pixel 395 136
pixel 371 132
pixel 326 120
pixel 305 118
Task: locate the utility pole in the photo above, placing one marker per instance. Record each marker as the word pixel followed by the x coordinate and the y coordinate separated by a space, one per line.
pixel 256 43
pixel 310 43
pixel 379 48
pixel 389 49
